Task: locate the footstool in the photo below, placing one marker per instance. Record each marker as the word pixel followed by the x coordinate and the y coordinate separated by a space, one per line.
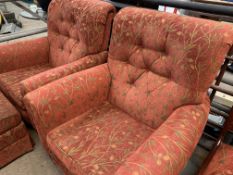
pixel 14 138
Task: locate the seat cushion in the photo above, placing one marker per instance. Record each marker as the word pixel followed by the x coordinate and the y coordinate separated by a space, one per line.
pixel 12 135
pixel 10 81
pixel 97 142
pixel 222 162
pixel 9 117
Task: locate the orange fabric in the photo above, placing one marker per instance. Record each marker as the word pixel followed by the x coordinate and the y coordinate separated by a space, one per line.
pixel 9 117
pixel 222 162
pixel 78 29
pixel 62 100
pixel 50 75
pixel 10 81
pixel 98 141
pixel 14 138
pixel 23 54
pixel 159 69
pixel 156 55
pixel 15 150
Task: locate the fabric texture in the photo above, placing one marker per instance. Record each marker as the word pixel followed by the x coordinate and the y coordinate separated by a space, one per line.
pixel 10 81
pixel 9 117
pixel 14 138
pixel 170 58
pixel 58 102
pixel 12 135
pixel 15 150
pixel 169 148
pixel 97 142
pixel 46 77
pixel 78 32
pixel 23 54
pixel 159 69
pixel 222 162
pixel 77 29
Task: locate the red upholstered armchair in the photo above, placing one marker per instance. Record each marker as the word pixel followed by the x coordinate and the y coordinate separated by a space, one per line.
pixel 220 159
pixel 144 111
pixel 78 37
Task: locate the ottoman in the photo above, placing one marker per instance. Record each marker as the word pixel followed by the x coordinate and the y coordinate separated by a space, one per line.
pixel 14 138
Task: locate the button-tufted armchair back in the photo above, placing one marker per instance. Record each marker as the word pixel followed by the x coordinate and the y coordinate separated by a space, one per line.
pixel 77 28
pixel 161 61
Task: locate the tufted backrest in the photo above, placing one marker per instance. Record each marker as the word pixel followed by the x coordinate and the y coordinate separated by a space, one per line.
pixel 77 28
pixel 160 61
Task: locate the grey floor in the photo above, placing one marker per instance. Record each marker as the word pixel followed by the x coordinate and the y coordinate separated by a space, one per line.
pixel 38 162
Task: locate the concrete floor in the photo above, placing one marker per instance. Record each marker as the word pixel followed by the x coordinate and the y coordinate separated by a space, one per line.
pixel 38 162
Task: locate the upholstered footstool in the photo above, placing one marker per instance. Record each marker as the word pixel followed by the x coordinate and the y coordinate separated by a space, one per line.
pixel 14 138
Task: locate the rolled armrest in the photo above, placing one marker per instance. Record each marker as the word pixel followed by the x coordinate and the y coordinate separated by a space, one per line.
pixel 23 54
pixel 66 98
pixel 169 147
pixel 46 77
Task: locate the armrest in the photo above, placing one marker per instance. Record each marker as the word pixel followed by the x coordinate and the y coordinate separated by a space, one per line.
pixel 66 98
pixel 23 54
pixel 169 148
pixel 46 77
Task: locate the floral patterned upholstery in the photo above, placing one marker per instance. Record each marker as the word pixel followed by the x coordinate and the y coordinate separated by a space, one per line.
pixel 45 77
pixel 14 138
pixel 165 59
pixel 78 31
pixel 10 81
pixel 222 162
pixel 97 142
pixel 158 72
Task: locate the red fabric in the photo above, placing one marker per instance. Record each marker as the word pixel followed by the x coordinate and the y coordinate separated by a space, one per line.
pixel 222 162
pixel 14 138
pixel 97 142
pixel 77 29
pixel 9 117
pixel 10 81
pixel 62 100
pixel 46 77
pixel 12 135
pixel 15 150
pixel 159 69
pixel 169 148
pixel 23 54
pixel 155 55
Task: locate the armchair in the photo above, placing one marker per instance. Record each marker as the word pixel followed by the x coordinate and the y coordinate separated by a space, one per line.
pixel 144 111
pixel 78 37
pixel 220 159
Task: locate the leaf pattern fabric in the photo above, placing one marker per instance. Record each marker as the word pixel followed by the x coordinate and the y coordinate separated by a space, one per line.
pixel 97 142
pixel 10 81
pixel 50 75
pixel 169 148
pixel 23 54
pixel 166 57
pixel 159 69
pixel 78 31
pixel 222 162
pixel 60 101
